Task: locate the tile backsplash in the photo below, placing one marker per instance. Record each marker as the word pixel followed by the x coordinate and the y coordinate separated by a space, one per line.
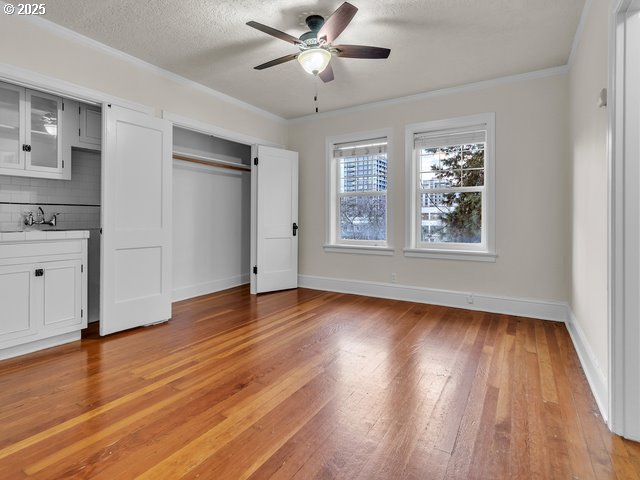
pixel 77 200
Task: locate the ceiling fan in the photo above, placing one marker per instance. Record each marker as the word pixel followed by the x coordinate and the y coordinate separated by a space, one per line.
pixel 316 46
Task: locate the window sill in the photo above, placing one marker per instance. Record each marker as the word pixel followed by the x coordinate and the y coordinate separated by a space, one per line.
pixel 444 254
pixel 359 249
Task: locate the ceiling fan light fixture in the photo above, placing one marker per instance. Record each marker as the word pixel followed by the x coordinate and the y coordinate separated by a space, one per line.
pixel 314 60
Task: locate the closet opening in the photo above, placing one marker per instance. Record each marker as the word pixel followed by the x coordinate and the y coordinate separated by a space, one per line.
pixel 211 213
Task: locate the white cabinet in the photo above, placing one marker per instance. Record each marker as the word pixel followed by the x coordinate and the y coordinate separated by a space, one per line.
pixel 31 134
pixel 83 126
pixel 62 294
pixel 90 130
pixel 17 297
pixel 43 290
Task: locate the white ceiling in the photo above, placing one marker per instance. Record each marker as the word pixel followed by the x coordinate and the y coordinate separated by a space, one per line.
pixel 434 44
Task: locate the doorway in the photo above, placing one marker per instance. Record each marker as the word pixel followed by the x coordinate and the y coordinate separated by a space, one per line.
pixel 624 256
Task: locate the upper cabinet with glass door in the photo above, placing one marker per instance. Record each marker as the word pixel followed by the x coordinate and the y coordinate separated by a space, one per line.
pixel 12 136
pixel 30 134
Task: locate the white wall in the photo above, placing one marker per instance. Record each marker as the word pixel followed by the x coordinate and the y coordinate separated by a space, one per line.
pixel 211 213
pixel 41 49
pixel 532 196
pixel 588 296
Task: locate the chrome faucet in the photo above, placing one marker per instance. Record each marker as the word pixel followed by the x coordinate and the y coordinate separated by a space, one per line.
pixel 40 219
pixel 29 221
pixel 53 221
pixel 28 218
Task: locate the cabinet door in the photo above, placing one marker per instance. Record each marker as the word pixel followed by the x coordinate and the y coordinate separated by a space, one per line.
pixel 18 301
pixel 62 294
pixel 44 115
pixel 90 125
pixel 11 131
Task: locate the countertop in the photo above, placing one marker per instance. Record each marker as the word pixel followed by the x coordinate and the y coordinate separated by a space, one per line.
pixel 37 235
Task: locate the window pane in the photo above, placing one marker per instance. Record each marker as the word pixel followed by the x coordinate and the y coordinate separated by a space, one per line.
pixel 451 166
pixel 363 217
pixel 451 217
pixel 366 173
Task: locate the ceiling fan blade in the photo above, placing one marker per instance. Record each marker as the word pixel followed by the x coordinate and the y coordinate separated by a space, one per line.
pixel 361 51
pixel 277 61
pixel 336 23
pixel 327 74
pixel 275 33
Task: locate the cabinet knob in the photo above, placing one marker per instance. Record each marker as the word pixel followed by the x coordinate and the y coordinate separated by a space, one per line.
pixel 39 272
pixel 26 148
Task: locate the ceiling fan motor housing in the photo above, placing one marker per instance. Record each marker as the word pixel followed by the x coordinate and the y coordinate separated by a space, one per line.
pixel 314 22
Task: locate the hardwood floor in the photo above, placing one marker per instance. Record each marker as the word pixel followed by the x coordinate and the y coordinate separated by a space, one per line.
pixel 306 384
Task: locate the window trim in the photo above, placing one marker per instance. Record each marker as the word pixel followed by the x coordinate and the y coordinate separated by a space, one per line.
pixel 332 243
pixel 452 251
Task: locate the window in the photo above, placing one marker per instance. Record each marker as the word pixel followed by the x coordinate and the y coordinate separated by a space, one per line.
pixel 451 198
pixel 357 193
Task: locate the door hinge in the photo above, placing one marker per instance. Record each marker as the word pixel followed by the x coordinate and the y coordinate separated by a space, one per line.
pixel 82 313
pixel 62 163
pixel 63 106
pixel 255 270
pixel 79 132
pixel 81 268
pixel 255 161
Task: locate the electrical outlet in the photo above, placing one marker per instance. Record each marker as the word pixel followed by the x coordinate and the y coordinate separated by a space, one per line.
pixel 470 298
pixel 394 277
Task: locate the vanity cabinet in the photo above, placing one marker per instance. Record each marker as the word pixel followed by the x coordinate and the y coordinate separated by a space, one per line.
pixel 43 290
pixel 31 134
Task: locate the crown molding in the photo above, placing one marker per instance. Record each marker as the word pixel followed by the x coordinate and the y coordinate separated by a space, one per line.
pixel 577 38
pixel 96 45
pixel 469 87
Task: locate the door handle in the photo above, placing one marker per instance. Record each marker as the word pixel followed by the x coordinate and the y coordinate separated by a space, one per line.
pixel 295 229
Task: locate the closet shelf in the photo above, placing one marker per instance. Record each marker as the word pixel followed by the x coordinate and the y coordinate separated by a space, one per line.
pixel 213 162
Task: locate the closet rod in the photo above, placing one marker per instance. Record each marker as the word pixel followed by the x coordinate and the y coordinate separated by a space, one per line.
pixel 211 163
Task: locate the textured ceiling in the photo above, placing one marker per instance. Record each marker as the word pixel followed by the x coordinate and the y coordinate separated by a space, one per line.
pixel 434 43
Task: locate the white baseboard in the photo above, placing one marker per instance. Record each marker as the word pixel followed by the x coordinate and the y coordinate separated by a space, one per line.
pixel 596 378
pixel 546 310
pixel 39 345
pixel 205 288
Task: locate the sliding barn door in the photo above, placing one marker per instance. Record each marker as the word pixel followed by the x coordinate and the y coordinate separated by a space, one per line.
pixel 275 195
pixel 136 220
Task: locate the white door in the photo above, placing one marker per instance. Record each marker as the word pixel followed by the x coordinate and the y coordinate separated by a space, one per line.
pixel 136 220
pixel 275 194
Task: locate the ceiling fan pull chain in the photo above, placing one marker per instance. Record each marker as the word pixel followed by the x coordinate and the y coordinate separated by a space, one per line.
pixel 315 97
